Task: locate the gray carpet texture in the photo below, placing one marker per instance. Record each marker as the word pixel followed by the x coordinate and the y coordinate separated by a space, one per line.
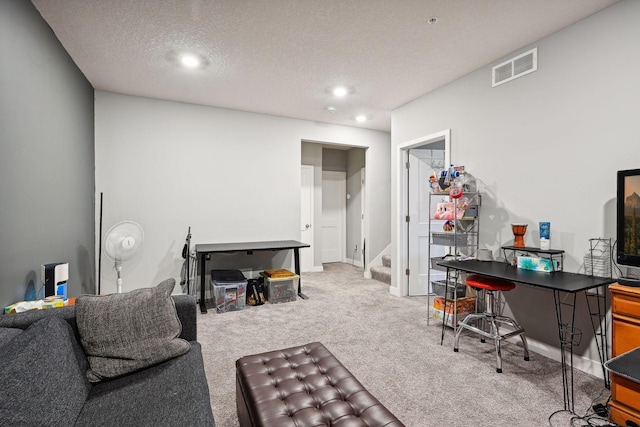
pixel 386 343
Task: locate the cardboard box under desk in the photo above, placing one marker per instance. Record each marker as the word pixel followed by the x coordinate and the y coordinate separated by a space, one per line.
pixel 465 306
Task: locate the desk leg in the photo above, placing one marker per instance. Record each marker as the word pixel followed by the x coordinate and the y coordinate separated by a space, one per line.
pixel 569 336
pixel 598 316
pixel 296 262
pixel 444 306
pixel 202 259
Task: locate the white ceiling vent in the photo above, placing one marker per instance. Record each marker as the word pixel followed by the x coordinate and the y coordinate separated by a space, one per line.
pixel 515 67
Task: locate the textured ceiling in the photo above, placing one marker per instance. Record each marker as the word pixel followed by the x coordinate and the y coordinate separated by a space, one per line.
pixel 282 57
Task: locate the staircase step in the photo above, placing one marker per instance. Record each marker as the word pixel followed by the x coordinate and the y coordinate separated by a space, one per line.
pixel 381 274
pixel 386 261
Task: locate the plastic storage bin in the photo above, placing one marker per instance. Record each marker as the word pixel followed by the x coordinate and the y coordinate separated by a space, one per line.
pixel 283 289
pixel 229 290
pixel 449 239
pixel 440 286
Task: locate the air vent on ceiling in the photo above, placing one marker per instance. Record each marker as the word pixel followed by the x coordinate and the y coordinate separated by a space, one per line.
pixel 515 67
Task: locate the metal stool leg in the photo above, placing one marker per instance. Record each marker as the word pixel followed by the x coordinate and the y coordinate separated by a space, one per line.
pixel 491 317
pixel 495 329
pixel 465 325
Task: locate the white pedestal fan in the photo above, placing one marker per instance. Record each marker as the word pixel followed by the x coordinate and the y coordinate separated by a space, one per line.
pixel 122 241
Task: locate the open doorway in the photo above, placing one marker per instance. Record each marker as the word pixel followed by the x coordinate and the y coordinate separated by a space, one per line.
pixel 418 158
pixel 349 162
pixel 423 161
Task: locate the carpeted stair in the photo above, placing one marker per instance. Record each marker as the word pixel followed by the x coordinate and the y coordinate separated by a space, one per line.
pixel 382 273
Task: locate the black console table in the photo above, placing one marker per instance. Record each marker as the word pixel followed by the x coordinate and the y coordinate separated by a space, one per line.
pixel 558 282
pixel 202 250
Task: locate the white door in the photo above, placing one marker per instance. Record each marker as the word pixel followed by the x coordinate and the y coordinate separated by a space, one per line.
pixel 334 207
pixel 422 162
pixel 306 218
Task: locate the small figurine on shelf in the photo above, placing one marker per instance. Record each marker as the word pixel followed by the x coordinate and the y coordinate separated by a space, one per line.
pixel 463 204
pixel 433 182
pixel 448 225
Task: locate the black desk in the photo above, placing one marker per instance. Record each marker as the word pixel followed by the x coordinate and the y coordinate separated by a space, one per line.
pixel 558 282
pixel 203 250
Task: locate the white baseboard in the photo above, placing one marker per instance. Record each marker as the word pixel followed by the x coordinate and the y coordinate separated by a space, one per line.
pixel 394 291
pixel 357 263
pixel 592 367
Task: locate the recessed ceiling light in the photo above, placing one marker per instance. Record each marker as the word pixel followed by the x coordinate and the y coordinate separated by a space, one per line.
pixel 361 118
pixel 190 60
pixel 340 91
pixel 187 59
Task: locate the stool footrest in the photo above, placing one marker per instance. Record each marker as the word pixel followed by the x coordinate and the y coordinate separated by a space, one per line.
pixel 492 320
pixel 489 334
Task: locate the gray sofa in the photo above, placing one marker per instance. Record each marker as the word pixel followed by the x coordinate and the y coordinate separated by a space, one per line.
pixel 41 386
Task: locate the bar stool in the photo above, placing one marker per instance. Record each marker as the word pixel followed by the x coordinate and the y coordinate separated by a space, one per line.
pixel 490 287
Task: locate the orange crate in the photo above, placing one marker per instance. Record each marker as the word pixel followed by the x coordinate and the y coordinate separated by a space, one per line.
pixel 465 305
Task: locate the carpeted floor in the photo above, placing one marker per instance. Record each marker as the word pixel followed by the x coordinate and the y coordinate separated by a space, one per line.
pixel 386 343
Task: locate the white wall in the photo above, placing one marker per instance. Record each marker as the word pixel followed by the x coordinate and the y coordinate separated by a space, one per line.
pixel 546 147
pixel 230 175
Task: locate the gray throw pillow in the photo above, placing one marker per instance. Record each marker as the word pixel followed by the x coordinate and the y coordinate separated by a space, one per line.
pixel 123 333
pixel 42 383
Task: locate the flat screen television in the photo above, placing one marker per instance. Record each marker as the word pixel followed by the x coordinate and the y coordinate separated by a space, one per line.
pixel 628 219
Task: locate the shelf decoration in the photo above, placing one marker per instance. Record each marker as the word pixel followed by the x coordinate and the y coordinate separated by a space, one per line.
pixel 519 230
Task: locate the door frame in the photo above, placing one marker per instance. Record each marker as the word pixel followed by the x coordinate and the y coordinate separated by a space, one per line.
pixel 312 233
pixel 402 205
pixel 363 218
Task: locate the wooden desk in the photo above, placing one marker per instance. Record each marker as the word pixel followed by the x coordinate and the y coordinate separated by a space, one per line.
pixel 202 250
pixel 558 282
pixel 625 345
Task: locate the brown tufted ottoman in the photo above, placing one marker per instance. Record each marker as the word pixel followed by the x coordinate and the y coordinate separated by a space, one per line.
pixel 304 386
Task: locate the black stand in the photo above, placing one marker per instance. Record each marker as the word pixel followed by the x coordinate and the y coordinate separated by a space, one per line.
pixel 629 281
pixel 205 250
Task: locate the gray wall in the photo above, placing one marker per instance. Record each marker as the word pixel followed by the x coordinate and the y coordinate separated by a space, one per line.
pixel 545 147
pixel 334 160
pixel 47 161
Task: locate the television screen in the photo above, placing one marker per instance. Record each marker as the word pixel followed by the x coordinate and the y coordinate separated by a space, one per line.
pixel 628 224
